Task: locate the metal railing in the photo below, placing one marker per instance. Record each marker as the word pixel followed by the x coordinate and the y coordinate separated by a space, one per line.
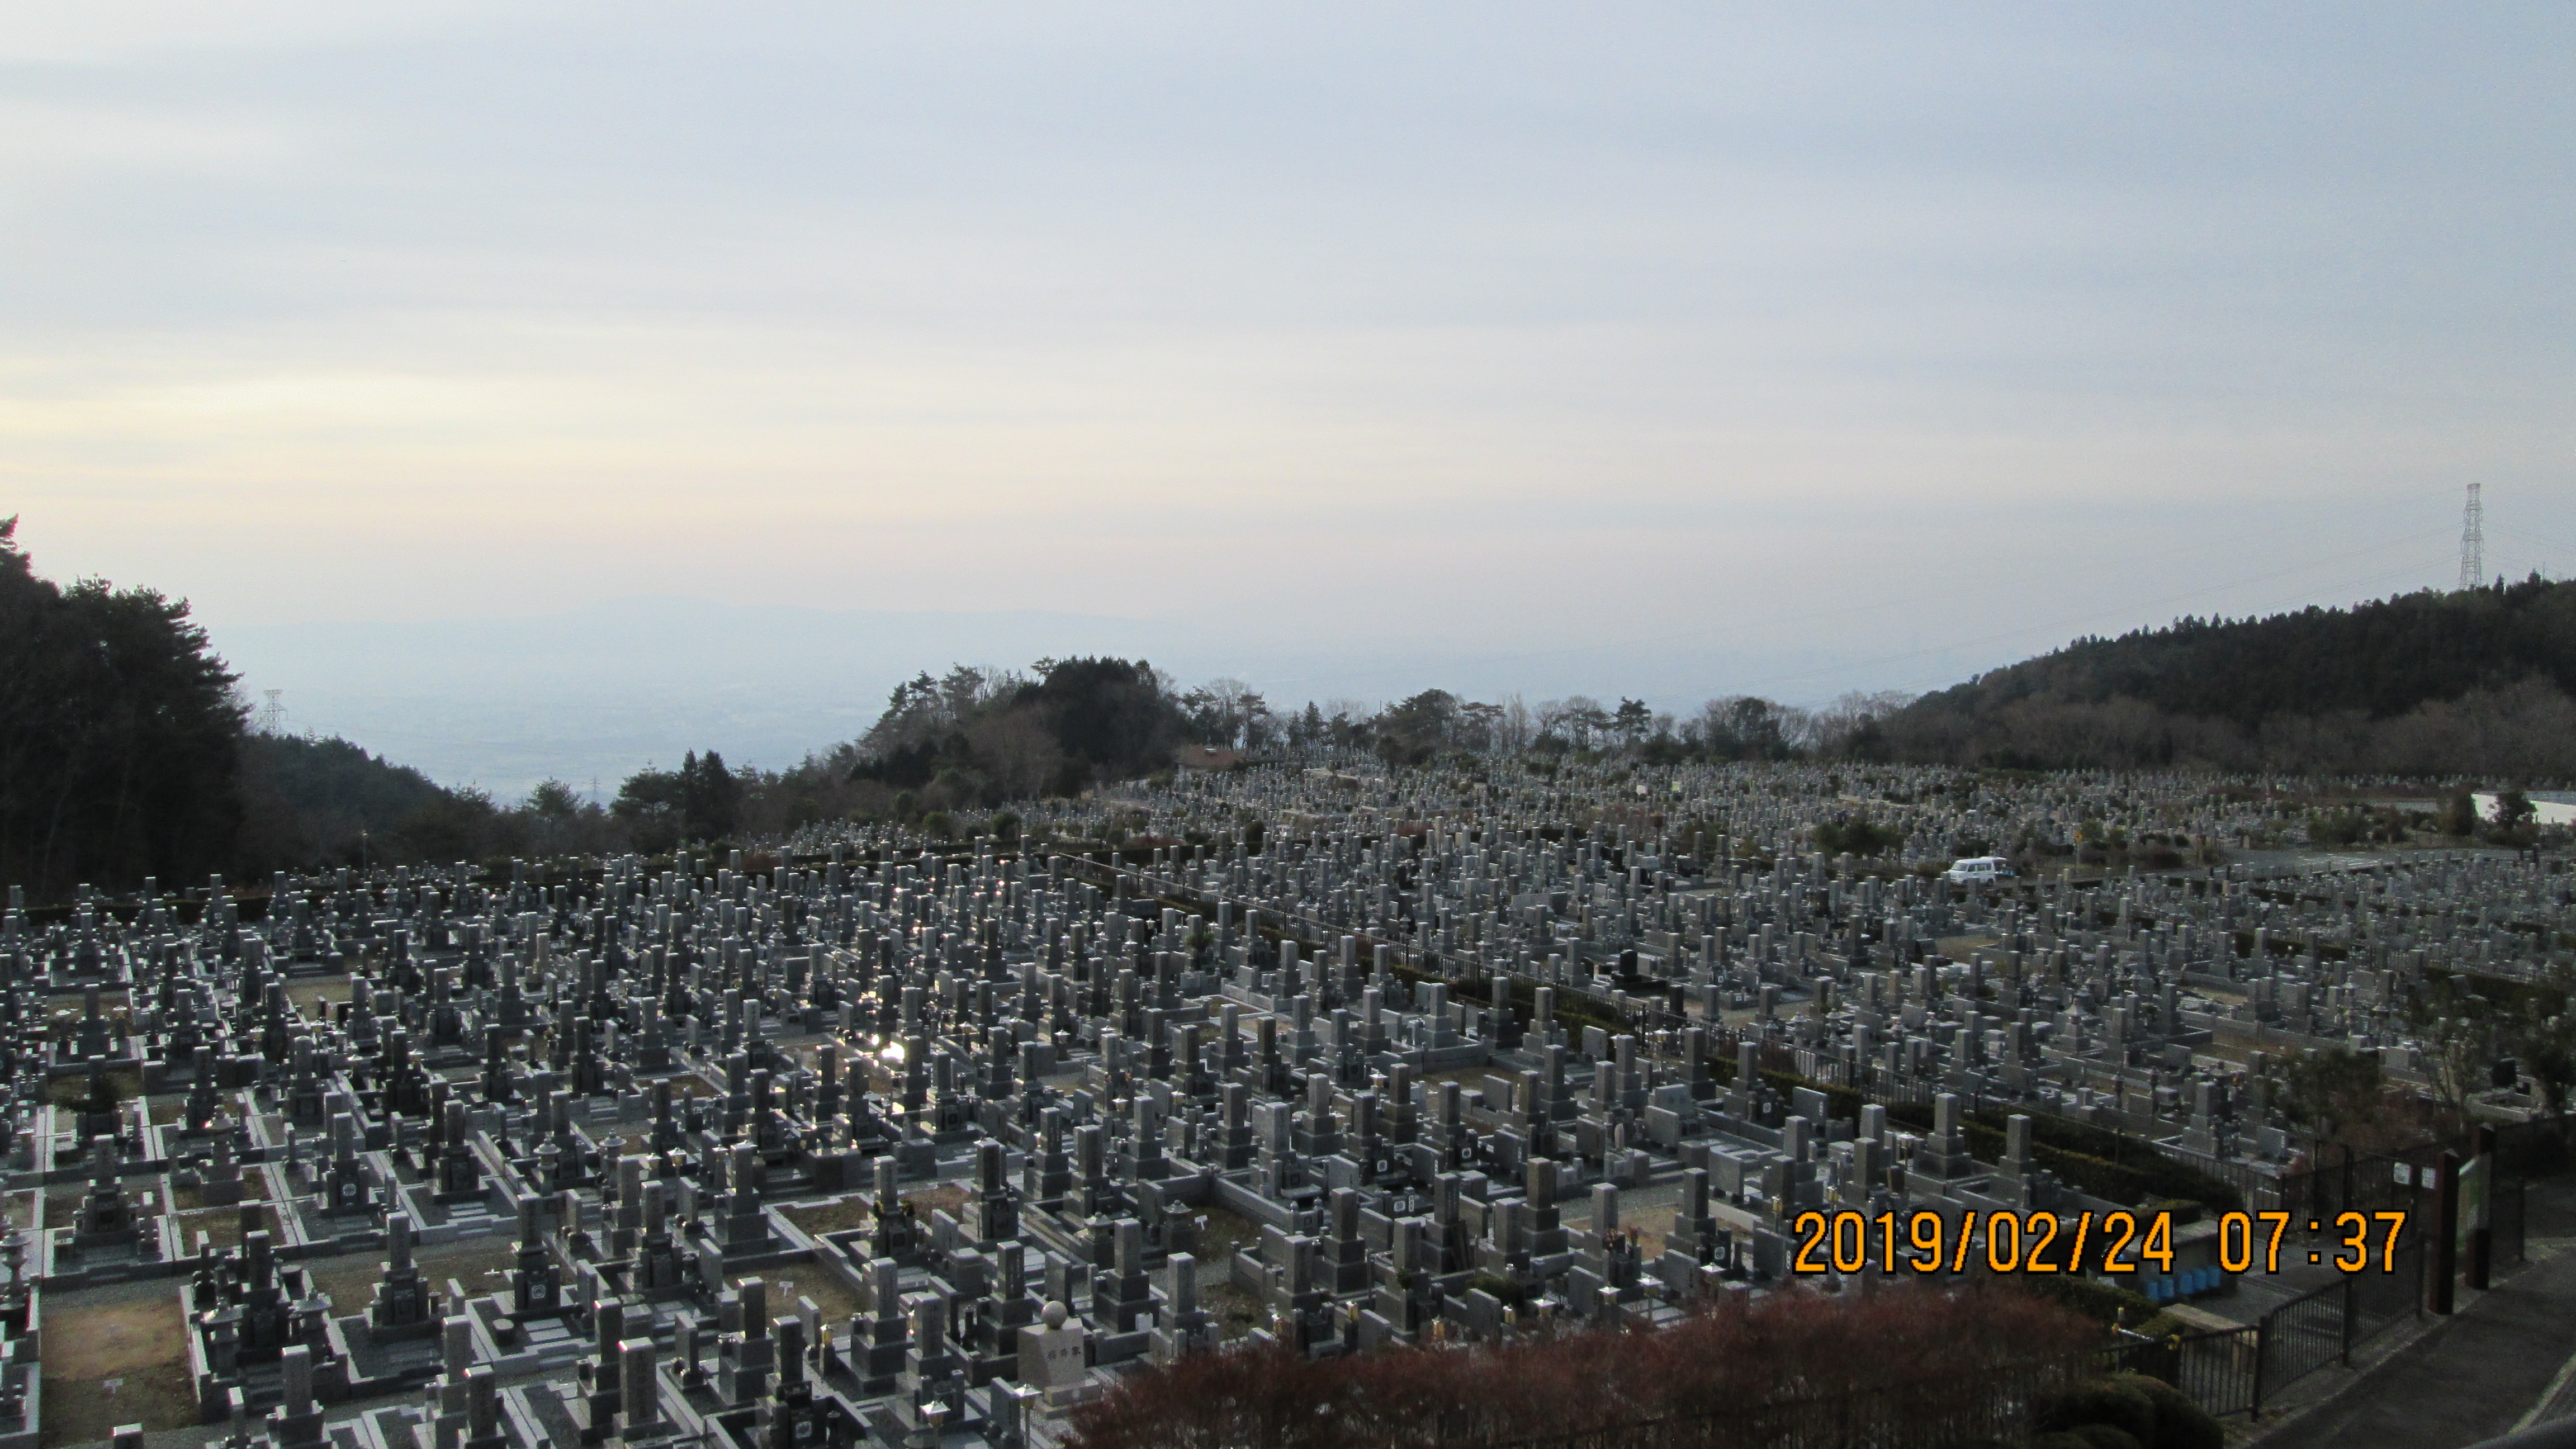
pixel 2236 1370
pixel 2219 1370
pixel 2302 1336
pixel 2523 1150
pixel 2379 1300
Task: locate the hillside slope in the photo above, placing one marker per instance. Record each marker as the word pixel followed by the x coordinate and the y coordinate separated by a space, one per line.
pixel 2471 682
pixel 309 802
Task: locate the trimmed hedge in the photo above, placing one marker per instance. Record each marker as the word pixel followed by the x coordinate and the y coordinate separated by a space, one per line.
pixel 2067 1148
pixel 2150 1177
pixel 2124 1409
pixel 2095 1299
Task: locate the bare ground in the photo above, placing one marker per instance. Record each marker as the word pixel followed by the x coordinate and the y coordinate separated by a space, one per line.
pixel 222 1224
pixel 314 996
pixel 112 1359
pixel 1223 1233
pixel 804 1280
pixel 351 1279
pixel 835 1216
pixel 1236 1311
pixel 254 1188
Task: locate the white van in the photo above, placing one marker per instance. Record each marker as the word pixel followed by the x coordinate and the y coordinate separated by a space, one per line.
pixel 1979 870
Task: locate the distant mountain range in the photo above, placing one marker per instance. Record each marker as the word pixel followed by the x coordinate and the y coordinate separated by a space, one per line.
pixel 599 691
pixel 2470 682
pixel 2477 681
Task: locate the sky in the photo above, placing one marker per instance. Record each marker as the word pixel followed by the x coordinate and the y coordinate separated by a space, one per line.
pixel 535 389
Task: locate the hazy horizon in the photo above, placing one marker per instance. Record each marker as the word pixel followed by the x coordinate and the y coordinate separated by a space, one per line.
pixel 602 690
pixel 1670 351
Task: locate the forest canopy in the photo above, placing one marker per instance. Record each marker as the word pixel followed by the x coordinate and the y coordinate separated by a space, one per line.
pixel 118 734
pixel 2477 681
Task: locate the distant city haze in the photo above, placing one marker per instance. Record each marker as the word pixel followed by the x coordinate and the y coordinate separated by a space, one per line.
pixel 595 693
pixel 536 391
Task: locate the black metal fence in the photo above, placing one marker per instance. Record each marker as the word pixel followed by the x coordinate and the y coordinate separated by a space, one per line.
pixel 2379 1300
pixel 2259 1188
pixel 2235 1370
pixel 2221 1371
pixel 2300 1337
pixel 2523 1150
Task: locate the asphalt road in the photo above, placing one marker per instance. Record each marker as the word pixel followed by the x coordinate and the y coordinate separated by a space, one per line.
pixel 2473 1378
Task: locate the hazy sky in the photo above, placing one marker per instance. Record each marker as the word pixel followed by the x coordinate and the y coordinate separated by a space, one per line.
pixel 1789 347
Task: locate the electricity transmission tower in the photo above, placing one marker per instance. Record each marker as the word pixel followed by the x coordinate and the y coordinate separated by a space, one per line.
pixel 2473 542
pixel 272 715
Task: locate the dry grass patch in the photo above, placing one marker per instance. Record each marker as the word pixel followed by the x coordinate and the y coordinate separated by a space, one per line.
pixel 839 1215
pixel 126 1082
pixel 804 1280
pixel 110 999
pixel 1237 1311
pixel 114 1363
pixel 351 1279
pixel 1223 1232
pixel 254 1188
pixel 481 1265
pixel 618 1140
pixel 222 1225
pixel 314 996
pixel 1649 1227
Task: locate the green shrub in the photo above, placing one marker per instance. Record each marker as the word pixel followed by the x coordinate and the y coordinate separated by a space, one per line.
pixel 2459 817
pixel 2115 1403
pixel 1858 837
pixel 2163 1325
pixel 2332 828
pixel 2180 1423
pixel 2075 1151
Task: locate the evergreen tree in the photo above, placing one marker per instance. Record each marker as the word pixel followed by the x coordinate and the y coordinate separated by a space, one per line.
pixel 2473 681
pixel 119 735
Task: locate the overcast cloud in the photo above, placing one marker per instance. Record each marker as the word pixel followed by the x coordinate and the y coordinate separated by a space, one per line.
pixel 1670 350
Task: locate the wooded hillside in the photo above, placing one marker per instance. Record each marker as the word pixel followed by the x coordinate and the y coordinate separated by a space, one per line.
pixel 2477 681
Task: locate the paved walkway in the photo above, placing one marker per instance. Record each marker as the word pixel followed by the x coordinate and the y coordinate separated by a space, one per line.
pixel 2503 1359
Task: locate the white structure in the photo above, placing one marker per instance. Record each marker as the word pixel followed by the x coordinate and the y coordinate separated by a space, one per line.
pixel 1980 870
pixel 2549 807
